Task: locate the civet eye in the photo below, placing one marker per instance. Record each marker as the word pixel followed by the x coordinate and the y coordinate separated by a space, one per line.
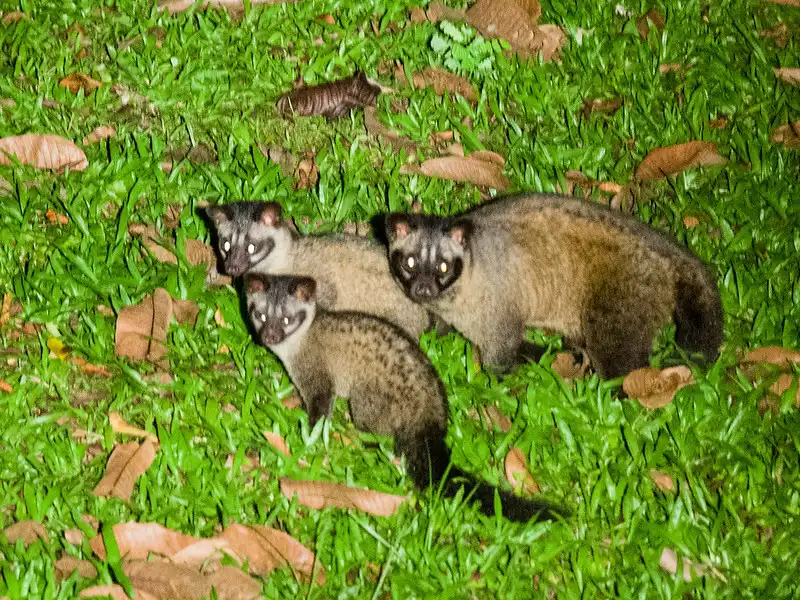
pixel 263 317
pixel 286 320
pixel 411 262
pixel 443 267
pixel 251 248
pixel 226 246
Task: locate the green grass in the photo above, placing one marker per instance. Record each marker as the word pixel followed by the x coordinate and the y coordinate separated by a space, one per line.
pixel 215 81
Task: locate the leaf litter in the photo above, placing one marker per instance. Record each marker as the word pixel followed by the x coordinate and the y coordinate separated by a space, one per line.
pixel 518 473
pixel 125 465
pixel 43 151
pixel 671 160
pixel 483 168
pixel 323 494
pixel 655 388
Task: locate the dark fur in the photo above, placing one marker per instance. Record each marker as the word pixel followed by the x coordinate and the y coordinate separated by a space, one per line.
pixel 392 387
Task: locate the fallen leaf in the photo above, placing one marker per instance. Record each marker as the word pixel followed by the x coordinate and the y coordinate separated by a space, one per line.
pixel 267 549
pixel 204 552
pixel 610 105
pixel 55 218
pixel 441 81
pixel 119 425
pixel 548 40
pixel 138 540
pixel 653 17
pixel 518 474
pixel 788 134
pixel 784 382
pixel 779 33
pixel 377 129
pixel 5 310
pixel 673 159
pixel 231 583
pixel 5 386
pixel 689 570
pixel 116 592
pixel 15 16
pixel 89 368
pixel 125 465
pixel 196 252
pixel 58 349
pixel 306 174
pixel 669 67
pixel 511 20
pixel 662 480
pixel 437 11
pixel 176 6
pixel 142 329
pixel 566 367
pixel 790 75
pixel 75 82
pixel 66 565
pixel 27 531
pixel 166 580
pixel 98 134
pixel 720 122
pixel 654 388
pixel 277 442
pixel 775 355
pixel 786 2
pixel 332 100
pixel 482 168
pixel 690 221
pixel 43 151
pixel 323 494
pixel 492 414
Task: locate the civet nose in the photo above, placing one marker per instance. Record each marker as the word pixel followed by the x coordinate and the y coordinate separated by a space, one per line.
pixel 272 334
pixel 423 288
pixel 236 263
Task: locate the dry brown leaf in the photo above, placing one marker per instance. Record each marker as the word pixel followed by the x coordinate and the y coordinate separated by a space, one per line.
pixel 332 100
pixel 662 480
pixel 76 82
pixel 437 11
pixel 43 151
pixel 788 135
pixel 267 549
pixel 518 474
pixel 119 425
pixel 98 134
pixel 66 565
pixel 5 310
pixel 775 355
pixel 197 252
pixel 138 540
pixel 690 221
pixel 441 81
pixel 479 168
pixel 511 20
pixel 276 441
pixel 548 40
pixel 5 386
pixel 306 174
pixel 376 128
pixel 669 67
pixel 323 494
pixel 689 569
pixel 790 75
pixel 176 6
pixel 231 583
pixel 27 531
pixel 491 414
pixel 673 159
pixel 783 383
pixel 14 16
pixel 610 105
pixel 55 218
pixel 779 33
pixel 142 329
pixel 167 581
pixel 720 122
pixel 204 552
pixel 655 389
pixel 786 2
pixel 651 16
pixel 566 367
pixel 125 465
pixel 292 402
pixel 116 592
pixel 89 368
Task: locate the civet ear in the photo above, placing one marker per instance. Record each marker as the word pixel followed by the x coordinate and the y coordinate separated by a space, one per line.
pixel 218 214
pixel 304 289
pixel 271 214
pixel 460 232
pixel 398 226
pixel 255 284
